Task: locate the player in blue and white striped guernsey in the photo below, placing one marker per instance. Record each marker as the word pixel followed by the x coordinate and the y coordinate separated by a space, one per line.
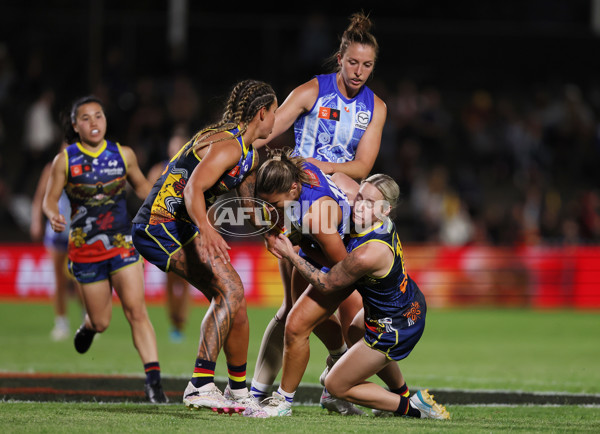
pixel 338 123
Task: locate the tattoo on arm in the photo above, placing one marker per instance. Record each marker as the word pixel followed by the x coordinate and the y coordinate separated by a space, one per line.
pixel 340 276
pixel 246 191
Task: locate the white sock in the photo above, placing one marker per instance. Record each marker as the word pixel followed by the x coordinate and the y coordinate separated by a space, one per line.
pixel 289 397
pixel 336 354
pixel 259 390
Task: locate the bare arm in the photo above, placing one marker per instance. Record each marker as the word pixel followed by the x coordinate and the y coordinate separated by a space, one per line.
pixel 367 150
pixel 246 192
pixel 220 158
pixel 36 230
pixel 136 178
pixel 299 101
pixel 56 184
pixel 342 275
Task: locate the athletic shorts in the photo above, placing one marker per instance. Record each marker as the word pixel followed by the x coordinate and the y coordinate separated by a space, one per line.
pixel 396 335
pixel 157 243
pixel 56 240
pixel 90 272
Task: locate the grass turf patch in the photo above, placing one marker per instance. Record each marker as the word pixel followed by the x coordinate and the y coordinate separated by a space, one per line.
pixel 82 418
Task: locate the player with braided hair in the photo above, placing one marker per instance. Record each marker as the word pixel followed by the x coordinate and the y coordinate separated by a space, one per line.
pixel 172 231
pixel 338 123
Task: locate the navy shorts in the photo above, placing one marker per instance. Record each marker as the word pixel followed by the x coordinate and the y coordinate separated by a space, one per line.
pixel 396 335
pixel 90 272
pixel 157 243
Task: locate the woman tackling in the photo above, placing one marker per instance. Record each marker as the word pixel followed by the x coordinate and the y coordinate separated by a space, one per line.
pixel 393 316
pixel 338 123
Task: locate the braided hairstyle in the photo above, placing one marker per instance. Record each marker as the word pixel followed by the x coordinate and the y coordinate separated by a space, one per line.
pixel 245 100
pixel 279 171
pixel 358 31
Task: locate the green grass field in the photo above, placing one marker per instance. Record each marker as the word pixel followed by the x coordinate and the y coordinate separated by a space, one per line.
pixel 463 349
pixel 88 418
pixel 470 349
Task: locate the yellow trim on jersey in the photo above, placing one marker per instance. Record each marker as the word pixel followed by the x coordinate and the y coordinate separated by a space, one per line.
pixel 122 157
pixel 393 254
pixel 362 234
pixel 90 153
pixel 66 166
pixel 253 158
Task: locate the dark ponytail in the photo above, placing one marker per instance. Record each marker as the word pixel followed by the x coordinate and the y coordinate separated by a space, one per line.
pixel 69 117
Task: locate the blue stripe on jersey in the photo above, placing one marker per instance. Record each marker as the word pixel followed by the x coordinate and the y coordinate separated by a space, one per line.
pixel 332 129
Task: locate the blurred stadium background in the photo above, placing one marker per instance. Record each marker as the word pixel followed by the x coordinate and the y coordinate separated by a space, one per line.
pixel 493 129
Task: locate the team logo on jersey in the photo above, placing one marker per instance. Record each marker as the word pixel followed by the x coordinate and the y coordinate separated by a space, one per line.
pixel 329 113
pixel 234 171
pixel 362 120
pixel 413 313
pixel 80 169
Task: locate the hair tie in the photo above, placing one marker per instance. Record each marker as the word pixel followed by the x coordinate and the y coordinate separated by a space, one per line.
pixel 277 157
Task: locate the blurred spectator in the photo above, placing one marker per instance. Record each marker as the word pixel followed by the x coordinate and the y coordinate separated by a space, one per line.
pixel 482 162
pixel 7 74
pixel 41 135
pixel 148 127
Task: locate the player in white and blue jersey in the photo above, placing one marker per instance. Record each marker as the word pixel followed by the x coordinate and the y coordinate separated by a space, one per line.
pixel 338 123
pixel 314 206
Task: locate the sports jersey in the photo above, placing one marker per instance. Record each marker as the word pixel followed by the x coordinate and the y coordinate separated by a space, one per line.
pixel 333 127
pixel 320 186
pixel 95 186
pixel 394 307
pixel 396 289
pixel 165 203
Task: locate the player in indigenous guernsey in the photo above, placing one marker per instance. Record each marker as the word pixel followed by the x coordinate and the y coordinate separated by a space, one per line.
pixel 338 123
pixel 172 231
pixel 393 314
pixel 94 171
